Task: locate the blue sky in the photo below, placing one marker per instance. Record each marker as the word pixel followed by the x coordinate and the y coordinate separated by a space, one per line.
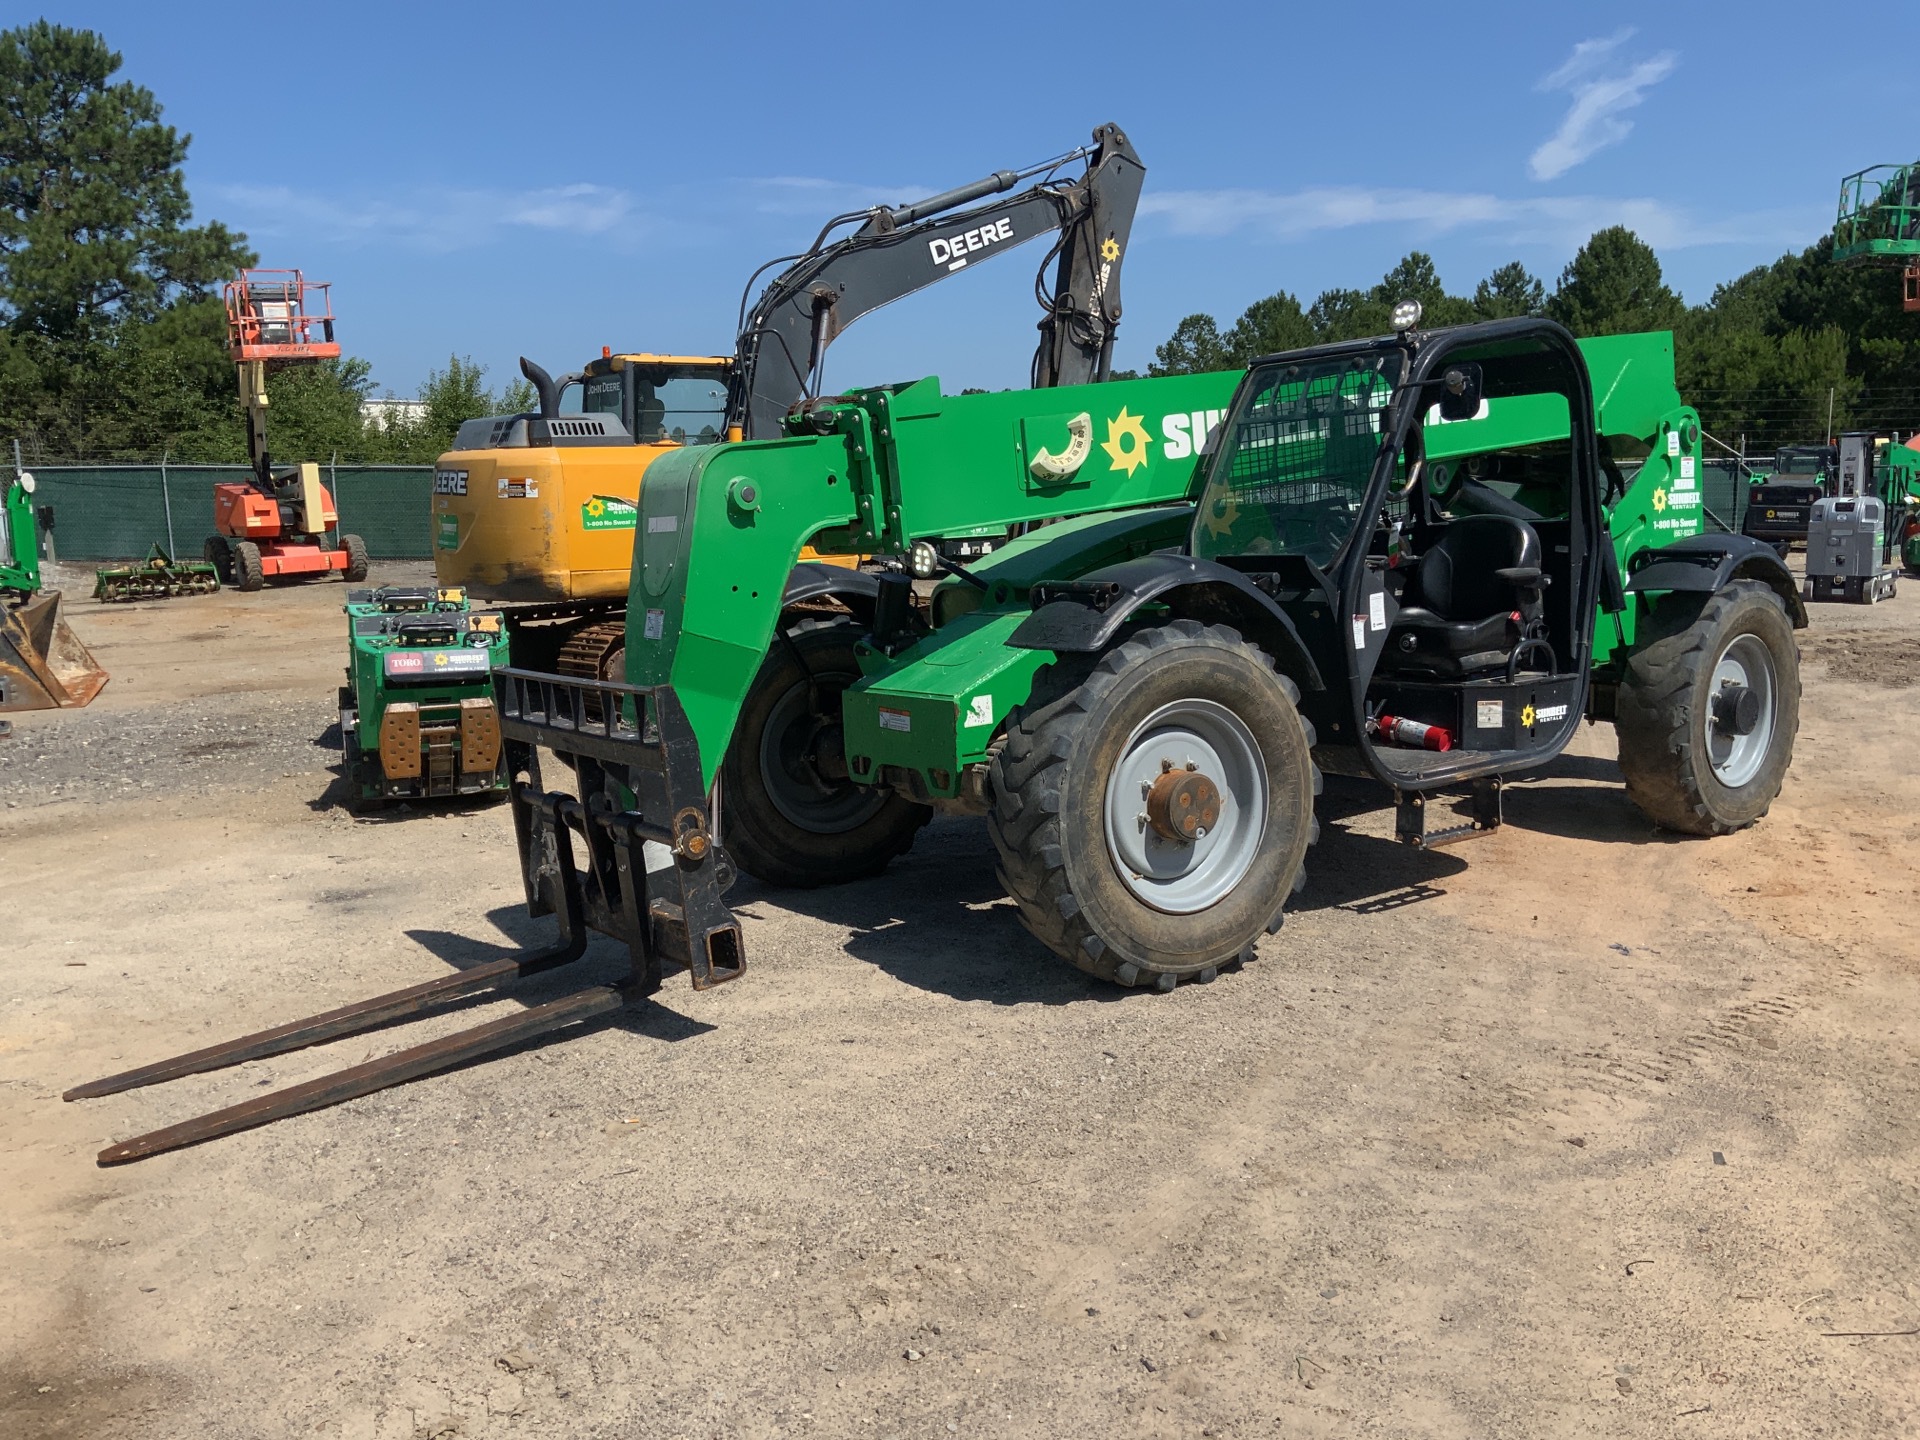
pixel 491 180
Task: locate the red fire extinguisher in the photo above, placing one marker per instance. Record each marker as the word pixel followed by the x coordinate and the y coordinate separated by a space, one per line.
pixel 1412 733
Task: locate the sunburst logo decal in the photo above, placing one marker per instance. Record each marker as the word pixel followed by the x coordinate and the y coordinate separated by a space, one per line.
pixel 1109 250
pixel 1126 443
pixel 1659 500
pixel 1222 514
pixel 1527 717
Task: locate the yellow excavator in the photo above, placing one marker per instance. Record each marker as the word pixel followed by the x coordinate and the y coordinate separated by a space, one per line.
pixel 535 512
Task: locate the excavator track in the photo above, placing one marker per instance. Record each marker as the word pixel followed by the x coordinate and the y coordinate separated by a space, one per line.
pixel 595 652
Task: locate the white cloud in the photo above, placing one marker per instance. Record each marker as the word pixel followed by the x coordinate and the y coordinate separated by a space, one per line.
pixel 1562 220
pixel 444 218
pixel 436 219
pixel 818 199
pixel 1601 91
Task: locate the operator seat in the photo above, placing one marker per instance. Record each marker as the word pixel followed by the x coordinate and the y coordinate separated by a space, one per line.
pixel 1470 599
pixel 651 421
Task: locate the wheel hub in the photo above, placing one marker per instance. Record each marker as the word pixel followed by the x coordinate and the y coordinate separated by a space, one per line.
pixel 827 753
pixel 1186 806
pixel 1741 706
pixel 1737 709
pixel 804 767
pixel 1182 805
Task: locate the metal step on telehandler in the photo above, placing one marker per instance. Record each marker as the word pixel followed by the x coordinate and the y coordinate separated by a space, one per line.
pixel 1483 816
pixel 653 878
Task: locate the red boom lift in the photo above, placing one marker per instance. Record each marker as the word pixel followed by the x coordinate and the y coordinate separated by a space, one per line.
pixel 281 521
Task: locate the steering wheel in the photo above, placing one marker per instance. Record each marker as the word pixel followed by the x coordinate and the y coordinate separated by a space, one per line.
pixel 1449 489
pixel 1331 528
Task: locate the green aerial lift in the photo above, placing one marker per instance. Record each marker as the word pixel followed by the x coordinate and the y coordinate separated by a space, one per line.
pixel 1419 560
pixel 1879 223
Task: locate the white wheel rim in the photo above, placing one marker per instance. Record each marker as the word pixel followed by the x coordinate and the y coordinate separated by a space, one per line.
pixel 1736 759
pixel 1182 878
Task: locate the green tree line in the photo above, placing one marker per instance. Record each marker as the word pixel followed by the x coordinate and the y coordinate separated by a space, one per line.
pixel 1769 357
pixel 112 332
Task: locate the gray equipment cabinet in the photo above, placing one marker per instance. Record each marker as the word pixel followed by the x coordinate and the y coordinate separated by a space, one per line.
pixel 1847 550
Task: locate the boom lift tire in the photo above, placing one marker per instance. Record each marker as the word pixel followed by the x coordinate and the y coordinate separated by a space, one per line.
pixel 356 549
pixel 790 815
pixel 247 571
pixel 217 553
pixel 1706 715
pixel 1074 789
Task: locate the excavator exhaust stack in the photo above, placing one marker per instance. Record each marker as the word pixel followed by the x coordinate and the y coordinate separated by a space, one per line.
pixel 43 665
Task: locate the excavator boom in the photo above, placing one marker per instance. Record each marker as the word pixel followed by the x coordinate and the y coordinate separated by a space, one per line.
pixel 901 249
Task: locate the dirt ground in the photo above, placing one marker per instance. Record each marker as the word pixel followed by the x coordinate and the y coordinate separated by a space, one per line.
pixel 1577 1130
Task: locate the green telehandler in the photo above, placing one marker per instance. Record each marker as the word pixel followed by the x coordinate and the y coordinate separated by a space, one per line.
pixel 1421 559
pixel 43 665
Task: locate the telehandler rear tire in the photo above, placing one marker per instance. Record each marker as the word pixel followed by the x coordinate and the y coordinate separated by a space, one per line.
pixel 789 814
pixel 1091 849
pixel 1707 714
pixel 356 549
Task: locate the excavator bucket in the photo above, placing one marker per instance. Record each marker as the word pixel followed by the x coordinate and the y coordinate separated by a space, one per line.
pixel 43 665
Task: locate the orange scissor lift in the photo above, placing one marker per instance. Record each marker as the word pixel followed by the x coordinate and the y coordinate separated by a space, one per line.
pixel 281 522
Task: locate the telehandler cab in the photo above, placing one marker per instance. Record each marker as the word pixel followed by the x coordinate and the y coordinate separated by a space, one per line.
pixel 1420 559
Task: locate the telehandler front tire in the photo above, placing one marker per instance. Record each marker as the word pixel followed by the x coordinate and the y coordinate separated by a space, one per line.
pixel 1097 792
pixel 1707 714
pixel 789 814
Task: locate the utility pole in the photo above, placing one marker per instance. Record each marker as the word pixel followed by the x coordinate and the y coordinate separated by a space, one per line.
pixel 1829 414
pixel 166 504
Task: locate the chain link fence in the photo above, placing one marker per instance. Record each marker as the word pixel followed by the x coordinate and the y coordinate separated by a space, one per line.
pixel 116 512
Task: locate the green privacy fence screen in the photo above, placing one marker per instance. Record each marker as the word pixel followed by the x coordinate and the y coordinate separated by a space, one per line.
pixel 115 512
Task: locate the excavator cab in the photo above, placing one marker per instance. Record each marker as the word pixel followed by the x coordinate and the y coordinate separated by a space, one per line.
pixel 541 507
pixel 661 399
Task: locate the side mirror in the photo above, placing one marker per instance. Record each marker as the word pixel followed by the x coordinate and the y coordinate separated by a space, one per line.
pixel 1460 392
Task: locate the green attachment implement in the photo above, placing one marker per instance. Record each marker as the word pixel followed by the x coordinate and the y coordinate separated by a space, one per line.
pixel 158 577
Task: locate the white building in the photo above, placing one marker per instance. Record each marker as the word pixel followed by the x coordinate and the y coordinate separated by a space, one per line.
pixel 388 410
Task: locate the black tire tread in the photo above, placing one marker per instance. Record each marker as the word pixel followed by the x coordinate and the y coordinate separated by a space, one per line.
pixel 1023 819
pixel 1654 718
pixel 219 554
pixel 357 562
pixel 248 573
pixel 856 855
